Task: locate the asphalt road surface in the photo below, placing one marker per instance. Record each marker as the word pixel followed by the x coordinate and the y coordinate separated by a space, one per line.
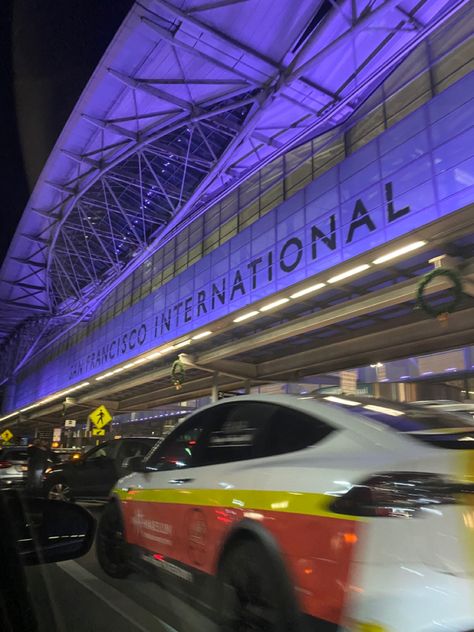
pixel 76 596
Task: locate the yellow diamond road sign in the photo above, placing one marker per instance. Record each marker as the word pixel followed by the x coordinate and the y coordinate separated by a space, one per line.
pixel 6 435
pixel 98 432
pixel 100 417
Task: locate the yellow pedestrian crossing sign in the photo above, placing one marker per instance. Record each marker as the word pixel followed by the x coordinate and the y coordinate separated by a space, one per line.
pixel 7 435
pixel 98 432
pixel 100 417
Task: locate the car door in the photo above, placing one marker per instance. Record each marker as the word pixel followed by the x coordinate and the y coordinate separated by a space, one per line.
pixel 199 472
pixel 96 473
pixel 152 508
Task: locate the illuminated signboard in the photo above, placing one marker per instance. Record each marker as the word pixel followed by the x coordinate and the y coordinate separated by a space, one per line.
pixel 414 173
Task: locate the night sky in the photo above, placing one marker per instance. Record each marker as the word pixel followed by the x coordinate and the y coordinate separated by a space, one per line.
pixel 48 51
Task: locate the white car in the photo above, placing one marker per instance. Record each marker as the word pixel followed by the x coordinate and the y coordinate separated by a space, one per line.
pixel 331 514
pixel 13 466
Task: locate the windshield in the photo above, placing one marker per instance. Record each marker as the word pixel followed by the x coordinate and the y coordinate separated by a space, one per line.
pixel 426 423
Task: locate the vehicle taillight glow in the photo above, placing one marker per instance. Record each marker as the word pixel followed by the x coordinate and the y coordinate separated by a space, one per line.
pixel 398 495
pixel 4 465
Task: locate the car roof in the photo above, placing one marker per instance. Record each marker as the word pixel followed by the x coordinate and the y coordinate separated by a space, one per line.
pixel 365 428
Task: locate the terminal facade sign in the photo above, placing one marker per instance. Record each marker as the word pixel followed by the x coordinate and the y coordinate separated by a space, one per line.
pixel 412 174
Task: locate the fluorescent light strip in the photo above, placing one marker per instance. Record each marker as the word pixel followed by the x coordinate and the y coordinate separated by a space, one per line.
pixel 184 343
pixel 167 350
pixel 152 356
pixel 239 319
pixel 203 334
pixel 16 412
pixel 45 401
pixel 349 273
pixel 308 290
pixel 399 252
pixel 277 303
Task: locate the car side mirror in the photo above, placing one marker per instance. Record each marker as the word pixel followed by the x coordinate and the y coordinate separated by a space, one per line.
pixel 48 530
pixel 136 464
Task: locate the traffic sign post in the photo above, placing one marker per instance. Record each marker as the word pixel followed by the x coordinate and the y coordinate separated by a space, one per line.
pixel 7 435
pixel 100 417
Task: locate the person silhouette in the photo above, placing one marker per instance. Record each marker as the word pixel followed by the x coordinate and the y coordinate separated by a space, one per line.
pixel 100 417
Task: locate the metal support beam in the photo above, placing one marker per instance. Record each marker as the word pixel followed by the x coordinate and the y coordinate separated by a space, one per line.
pixel 34 264
pixel 96 164
pixel 117 129
pixel 137 84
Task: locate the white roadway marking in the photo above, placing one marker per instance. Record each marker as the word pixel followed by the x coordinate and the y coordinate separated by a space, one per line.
pixel 115 599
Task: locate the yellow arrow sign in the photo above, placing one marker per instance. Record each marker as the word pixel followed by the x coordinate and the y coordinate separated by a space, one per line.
pixel 6 435
pixel 100 417
pixel 98 432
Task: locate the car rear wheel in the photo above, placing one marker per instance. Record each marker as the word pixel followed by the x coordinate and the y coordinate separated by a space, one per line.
pixel 59 490
pixel 255 596
pixel 111 546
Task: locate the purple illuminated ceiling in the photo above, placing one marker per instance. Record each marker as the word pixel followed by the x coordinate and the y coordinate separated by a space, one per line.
pixel 190 98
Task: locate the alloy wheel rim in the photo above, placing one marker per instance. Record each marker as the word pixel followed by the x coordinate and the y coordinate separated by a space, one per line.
pixel 59 491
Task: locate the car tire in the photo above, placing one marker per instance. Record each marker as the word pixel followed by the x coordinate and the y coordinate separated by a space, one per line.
pixel 111 547
pixel 254 592
pixel 58 489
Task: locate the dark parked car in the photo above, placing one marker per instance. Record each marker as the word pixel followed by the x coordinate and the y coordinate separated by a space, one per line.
pixel 92 476
pixel 13 465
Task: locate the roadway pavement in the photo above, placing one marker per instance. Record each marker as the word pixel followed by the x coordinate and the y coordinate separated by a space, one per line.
pixel 76 596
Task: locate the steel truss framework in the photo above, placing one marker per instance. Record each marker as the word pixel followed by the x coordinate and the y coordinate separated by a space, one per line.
pixel 189 100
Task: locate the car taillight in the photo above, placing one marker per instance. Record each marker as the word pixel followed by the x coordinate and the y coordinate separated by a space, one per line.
pixel 4 464
pixel 398 495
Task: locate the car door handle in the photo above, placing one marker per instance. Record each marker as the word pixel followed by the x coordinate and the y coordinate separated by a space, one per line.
pixel 180 481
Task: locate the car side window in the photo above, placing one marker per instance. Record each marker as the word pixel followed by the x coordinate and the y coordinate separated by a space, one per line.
pixel 105 450
pixel 178 450
pixel 237 433
pixel 291 430
pixel 130 449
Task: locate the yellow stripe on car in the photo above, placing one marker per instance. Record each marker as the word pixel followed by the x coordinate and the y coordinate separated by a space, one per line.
pixel 282 501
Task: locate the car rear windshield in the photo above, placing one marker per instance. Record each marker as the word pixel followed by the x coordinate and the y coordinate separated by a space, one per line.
pixel 425 423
